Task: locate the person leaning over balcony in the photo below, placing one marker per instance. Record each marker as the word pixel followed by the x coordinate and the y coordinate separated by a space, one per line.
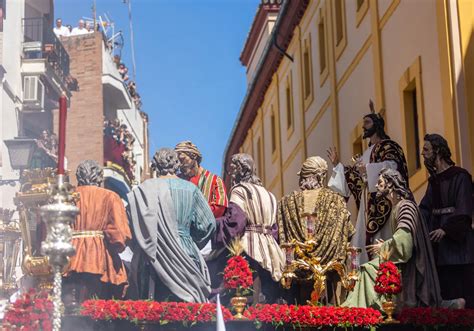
pixel 60 30
pixel 123 70
pixel 100 233
pixel 80 30
pixel 89 27
pixel 48 144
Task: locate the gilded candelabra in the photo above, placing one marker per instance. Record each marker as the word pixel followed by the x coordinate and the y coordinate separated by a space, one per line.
pixel 35 192
pixel 57 246
pixel 307 267
pixel 9 250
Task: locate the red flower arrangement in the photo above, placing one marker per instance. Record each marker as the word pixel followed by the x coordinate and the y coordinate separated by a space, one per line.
pixel 388 281
pixel 237 274
pixel 31 312
pixel 152 311
pixel 437 317
pixel 192 313
pixel 313 316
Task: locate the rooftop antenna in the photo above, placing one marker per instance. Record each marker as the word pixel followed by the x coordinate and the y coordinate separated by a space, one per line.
pixel 109 23
pixel 132 46
pixel 94 14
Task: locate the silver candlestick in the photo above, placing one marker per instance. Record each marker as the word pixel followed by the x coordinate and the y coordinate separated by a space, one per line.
pixel 59 216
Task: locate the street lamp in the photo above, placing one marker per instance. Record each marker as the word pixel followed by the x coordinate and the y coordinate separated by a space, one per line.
pixel 21 152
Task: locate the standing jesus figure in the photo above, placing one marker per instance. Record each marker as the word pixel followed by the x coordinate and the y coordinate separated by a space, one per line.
pixel 374 212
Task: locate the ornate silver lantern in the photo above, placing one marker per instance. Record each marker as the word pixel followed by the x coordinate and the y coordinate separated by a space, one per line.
pixel 59 216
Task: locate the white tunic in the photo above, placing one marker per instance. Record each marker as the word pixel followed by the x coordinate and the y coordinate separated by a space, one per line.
pixel 339 184
pixel 260 206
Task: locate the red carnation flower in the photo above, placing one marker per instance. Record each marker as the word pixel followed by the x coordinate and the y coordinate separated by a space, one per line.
pixel 388 280
pixel 32 311
pixel 237 274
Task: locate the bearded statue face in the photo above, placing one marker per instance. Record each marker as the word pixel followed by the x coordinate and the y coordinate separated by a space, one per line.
pixel 301 180
pixel 383 188
pixel 368 127
pixel 429 157
pixel 188 165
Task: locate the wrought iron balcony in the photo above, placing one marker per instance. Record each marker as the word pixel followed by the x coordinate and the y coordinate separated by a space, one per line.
pixel 40 42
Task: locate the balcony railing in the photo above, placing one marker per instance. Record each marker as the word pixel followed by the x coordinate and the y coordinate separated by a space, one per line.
pixel 37 30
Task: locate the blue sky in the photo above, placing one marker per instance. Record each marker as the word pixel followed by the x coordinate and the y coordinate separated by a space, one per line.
pixel 188 70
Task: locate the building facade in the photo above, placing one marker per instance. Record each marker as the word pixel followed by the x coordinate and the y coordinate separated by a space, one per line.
pixel 102 97
pixel 34 71
pixel 36 68
pixel 313 70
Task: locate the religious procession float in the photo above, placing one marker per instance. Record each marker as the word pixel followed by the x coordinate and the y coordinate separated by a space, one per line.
pixel 314 279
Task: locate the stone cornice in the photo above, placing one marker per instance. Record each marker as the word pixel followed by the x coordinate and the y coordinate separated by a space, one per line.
pixel 257 25
pixel 282 33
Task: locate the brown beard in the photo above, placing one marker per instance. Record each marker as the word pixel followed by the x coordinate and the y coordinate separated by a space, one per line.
pixel 369 132
pixel 430 164
pixel 188 171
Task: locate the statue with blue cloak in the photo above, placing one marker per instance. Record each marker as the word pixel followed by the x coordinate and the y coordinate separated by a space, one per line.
pixel 171 221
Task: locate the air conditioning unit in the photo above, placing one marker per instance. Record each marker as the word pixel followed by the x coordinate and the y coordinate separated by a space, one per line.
pixel 33 93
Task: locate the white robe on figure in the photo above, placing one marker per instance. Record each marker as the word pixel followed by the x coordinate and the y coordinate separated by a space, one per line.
pixel 339 184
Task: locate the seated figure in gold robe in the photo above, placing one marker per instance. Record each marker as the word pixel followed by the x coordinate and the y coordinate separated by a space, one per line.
pixel 316 212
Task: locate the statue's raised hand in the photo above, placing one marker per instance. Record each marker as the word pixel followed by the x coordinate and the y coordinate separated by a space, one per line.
pixel 333 156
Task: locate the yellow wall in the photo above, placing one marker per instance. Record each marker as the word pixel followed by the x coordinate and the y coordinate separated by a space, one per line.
pixel 380 46
pixel 466 27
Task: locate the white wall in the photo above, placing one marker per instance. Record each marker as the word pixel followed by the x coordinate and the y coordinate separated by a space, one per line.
pixel 257 52
pixel 10 89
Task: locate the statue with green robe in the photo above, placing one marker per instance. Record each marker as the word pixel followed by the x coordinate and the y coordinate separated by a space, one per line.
pixel 410 249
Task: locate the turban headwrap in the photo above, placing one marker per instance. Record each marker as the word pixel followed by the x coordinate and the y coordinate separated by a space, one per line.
pixel 313 165
pixel 188 147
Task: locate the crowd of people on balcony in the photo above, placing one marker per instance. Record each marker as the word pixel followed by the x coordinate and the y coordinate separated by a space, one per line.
pixel 118 146
pixel 82 28
pixel 85 27
pixel 46 154
pixel 130 84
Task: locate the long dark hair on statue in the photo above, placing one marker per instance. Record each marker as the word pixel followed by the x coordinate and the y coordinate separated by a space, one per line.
pixel 397 183
pixel 165 162
pixel 440 147
pixel 89 172
pixel 379 125
pixel 244 170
